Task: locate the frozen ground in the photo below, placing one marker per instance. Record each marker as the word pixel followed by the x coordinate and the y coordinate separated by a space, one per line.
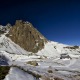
pixel 66 69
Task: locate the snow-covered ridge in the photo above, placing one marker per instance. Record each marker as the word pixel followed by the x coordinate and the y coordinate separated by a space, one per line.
pixel 54 49
pixel 5 28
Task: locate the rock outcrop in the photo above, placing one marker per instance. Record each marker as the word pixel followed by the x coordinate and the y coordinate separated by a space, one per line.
pixel 26 36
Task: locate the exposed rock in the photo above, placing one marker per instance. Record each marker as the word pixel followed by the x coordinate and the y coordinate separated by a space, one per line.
pixel 72 47
pixel 3 71
pixel 34 63
pixel 26 36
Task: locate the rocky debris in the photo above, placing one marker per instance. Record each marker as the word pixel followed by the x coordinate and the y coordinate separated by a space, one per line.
pixel 26 36
pixel 34 63
pixel 72 47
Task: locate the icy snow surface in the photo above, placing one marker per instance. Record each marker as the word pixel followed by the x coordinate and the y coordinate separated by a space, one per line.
pixel 18 74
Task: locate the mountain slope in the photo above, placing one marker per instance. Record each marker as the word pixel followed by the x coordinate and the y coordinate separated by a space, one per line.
pixel 54 49
pixel 23 46
pixel 7 45
pixel 23 38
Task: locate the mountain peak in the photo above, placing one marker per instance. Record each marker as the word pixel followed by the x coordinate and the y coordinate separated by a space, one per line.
pixel 21 22
pixel 26 36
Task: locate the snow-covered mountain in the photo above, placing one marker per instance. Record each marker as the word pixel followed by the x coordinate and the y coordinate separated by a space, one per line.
pixel 22 43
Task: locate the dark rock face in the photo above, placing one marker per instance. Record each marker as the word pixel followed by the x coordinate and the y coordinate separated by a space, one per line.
pixel 26 36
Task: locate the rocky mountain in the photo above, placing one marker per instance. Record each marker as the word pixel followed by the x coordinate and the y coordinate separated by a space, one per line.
pixel 25 35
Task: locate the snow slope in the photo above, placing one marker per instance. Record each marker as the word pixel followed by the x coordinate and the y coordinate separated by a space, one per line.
pixel 18 74
pixel 54 49
pixel 9 46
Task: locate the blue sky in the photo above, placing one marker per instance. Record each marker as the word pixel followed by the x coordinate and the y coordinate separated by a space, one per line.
pixel 57 20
